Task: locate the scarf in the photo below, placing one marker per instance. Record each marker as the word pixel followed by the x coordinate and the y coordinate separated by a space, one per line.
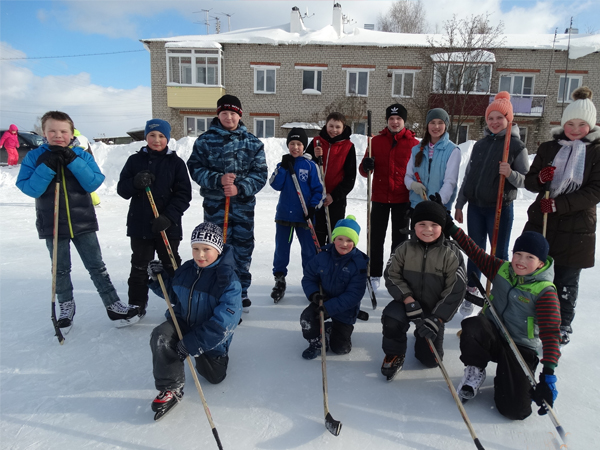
pixel 569 163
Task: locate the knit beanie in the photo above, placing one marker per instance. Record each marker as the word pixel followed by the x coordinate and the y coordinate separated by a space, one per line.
pixel 396 110
pixel 297 134
pixel 438 113
pixel 209 234
pixel 229 103
pixel 501 103
pixel 158 125
pixel 428 210
pixel 347 227
pixel 534 243
pixel 582 108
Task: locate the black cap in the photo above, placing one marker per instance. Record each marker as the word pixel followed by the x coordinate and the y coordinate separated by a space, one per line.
pixel 534 243
pixel 396 110
pixel 428 210
pixel 229 103
pixel 297 134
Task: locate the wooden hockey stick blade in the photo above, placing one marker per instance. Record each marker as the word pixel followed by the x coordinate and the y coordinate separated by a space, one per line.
pixel 332 425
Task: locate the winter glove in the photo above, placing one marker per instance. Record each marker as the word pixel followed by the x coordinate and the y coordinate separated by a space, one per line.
pixel 413 310
pixel 368 164
pixel 182 352
pixel 316 298
pixel 287 161
pixel 54 161
pixel 143 179
pixel 546 174
pixel 545 390
pixel 310 213
pixel 428 328
pixel 450 225
pixel 419 189
pixel 155 268
pixel 161 223
pixel 548 205
pixel 325 313
pixel 67 153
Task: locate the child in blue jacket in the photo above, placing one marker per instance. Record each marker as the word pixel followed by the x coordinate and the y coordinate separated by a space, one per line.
pixel 207 298
pixel 290 214
pixel 340 272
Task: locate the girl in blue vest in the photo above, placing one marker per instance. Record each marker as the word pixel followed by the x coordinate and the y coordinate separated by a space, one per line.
pixel 434 162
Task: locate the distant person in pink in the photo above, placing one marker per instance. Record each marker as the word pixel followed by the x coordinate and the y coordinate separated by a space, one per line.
pixel 10 140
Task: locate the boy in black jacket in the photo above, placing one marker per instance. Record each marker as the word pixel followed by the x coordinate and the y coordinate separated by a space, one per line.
pixel 158 167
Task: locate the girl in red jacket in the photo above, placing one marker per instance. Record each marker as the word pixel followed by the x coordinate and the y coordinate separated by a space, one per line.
pixel 10 140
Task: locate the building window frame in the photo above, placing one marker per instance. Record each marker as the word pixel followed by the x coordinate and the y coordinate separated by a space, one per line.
pixel 262 75
pixel 183 65
pixel 264 127
pixel 513 81
pixel 317 79
pixel 195 124
pixel 572 79
pixel 354 78
pixel 403 74
pixel 483 81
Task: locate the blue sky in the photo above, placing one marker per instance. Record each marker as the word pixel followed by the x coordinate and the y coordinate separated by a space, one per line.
pixel 110 94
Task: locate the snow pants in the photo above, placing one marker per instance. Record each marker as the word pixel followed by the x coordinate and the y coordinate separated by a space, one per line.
pixel 142 253
pixel 566 280
pixel 13 156
pixel 88 247
pixel 395 326
pixel 169 371
pixel 240 233
pixel 283 242
pixel 480 343
pixel 337 211
pixel 380 214
pixel 340 341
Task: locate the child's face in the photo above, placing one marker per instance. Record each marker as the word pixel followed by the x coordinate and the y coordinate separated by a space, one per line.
pixel 343 244
pixel 58 132
pixel 156 141
pixel 229 120
pixel 204 254
pixel 428 231
pixel 436 128
pixel 496 122
pixel 296 148
pixel 576 129
pixel 334 128
pixel 395 123
pixel 524 263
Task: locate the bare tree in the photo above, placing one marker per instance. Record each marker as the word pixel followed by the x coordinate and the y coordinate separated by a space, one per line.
pixel 404 16
pixel 351 106
pixel 37 126
pixel 462 65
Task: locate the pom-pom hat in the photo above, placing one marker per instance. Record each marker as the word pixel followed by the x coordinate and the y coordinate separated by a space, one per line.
pixel 209 234
pixel 582 108
pixel 501 103
pixel 158 125
pixel 534 243
pixel 348 227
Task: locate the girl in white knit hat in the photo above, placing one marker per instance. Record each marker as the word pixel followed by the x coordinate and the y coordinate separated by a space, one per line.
pixel 568 167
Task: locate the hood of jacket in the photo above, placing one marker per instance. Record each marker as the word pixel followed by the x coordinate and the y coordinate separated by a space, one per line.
pixel 514 131
pixel 345 134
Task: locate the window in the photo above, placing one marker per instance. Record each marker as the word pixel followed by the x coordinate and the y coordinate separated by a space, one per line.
pixel 523 134
pixel 311 79
pixel 264 80
pixel 201 67
pixel 195 126
pixel 264 128
pixel 403 84
pixel 463 134
pixel 359 128
pixel 357 83
pixel 462 78
pixel 517 84
pixel 573 82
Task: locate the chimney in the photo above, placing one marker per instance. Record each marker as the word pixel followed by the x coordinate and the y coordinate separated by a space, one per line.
pixel 337 22
pixel 296 21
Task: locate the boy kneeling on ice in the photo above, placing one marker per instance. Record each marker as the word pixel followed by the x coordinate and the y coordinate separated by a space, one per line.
pixel 525 298
pixel 207 298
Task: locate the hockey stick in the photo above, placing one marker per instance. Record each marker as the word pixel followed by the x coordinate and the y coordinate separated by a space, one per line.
pixel 499 200
pixel 57 332
pixel 226 219
pixel 332 425
pixel 320 161
pixel 162 233
pixel 369 285
pixel 530 376
pixel 461 408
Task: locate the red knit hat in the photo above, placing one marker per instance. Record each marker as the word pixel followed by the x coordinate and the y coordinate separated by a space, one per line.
pixel 501 103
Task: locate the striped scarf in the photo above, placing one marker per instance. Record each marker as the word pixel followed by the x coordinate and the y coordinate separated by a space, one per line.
pixel 569 163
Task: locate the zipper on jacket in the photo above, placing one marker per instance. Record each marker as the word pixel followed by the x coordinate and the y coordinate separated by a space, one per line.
pixel 191 294
pixel 423 270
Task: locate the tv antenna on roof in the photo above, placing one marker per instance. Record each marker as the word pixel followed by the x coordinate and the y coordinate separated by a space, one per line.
pixel 206 22
pixel 228 20
pixel 218 25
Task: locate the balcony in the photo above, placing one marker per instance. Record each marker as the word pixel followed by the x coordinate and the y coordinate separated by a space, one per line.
pixel 527 105
pixel 193 97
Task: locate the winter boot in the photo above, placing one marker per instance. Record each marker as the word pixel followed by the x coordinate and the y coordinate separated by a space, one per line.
pixel 375 282
pixel 468 305
pixel 471 382
pixel 246 304
pixel 565 335
pixel 391 366
pixel 67 311
pixel 123 314
pixel 165 401
pixel 279 288
pixel 314 348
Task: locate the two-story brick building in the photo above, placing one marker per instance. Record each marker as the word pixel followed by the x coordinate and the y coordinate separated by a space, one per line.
pixel 286 75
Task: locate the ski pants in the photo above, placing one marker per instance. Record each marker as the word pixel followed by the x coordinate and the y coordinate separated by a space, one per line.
pixel 480 343
pixel 395 326
pixel 566 280
pixel 337 211
pixel 169 371
pixel 142 253
pixel 340 341
pixel 240 233
pixel 283 241
pixel 13 156
pixel 380 213
pixel 88 247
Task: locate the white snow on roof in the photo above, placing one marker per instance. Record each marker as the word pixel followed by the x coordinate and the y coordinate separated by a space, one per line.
pixel 304 125
pixel 480 56
pixel 581 45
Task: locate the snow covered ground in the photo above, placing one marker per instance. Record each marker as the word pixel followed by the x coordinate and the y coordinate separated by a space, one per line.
pixel 94 392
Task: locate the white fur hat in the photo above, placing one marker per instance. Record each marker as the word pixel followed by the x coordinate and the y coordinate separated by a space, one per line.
pixel 582 108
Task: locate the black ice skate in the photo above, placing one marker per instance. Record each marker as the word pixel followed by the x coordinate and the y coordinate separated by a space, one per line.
pixel 279 288
pixel 165 402
pixel 391 366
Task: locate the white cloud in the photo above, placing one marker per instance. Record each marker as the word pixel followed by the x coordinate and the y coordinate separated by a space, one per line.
pixel 95 109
